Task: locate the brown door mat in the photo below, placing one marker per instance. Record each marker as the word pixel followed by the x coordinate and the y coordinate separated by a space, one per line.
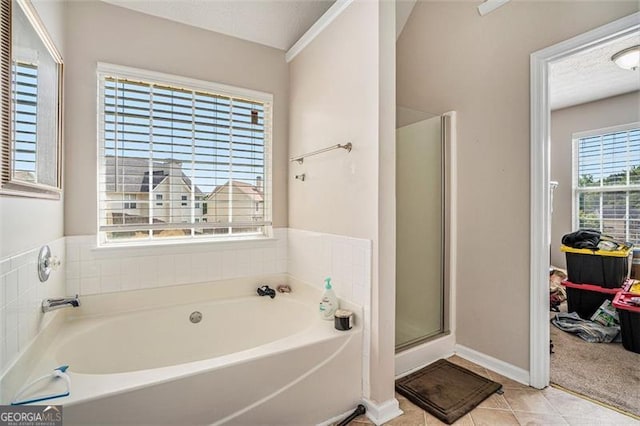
pixel 446 390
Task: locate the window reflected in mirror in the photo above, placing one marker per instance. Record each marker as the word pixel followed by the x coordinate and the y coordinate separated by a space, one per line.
pixel 25 121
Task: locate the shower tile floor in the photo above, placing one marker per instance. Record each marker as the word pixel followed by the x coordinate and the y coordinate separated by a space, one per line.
pixel 519 405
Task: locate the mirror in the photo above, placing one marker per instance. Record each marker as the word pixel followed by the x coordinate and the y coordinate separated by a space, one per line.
pixel 31 82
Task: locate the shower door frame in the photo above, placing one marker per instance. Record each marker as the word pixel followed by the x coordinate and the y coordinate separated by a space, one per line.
pixel 448 223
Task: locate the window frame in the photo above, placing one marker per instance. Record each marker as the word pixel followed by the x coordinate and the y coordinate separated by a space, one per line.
pixel 576 191
pixel 129 203
pixel 9 185
pixel 104 70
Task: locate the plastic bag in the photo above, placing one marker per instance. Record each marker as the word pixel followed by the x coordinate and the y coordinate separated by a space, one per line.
pixel 606 315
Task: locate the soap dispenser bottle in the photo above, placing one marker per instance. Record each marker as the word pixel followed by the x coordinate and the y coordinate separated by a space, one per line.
pixel 329 301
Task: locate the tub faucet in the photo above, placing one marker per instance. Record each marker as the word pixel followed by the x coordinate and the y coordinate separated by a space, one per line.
pixel 266 291
pixel 63 302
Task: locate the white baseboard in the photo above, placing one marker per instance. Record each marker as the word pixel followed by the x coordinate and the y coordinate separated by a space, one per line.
pixel 508 370
pixel 382 413
pixel 419 356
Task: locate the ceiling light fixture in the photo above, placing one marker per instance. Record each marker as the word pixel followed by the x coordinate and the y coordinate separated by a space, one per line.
pixel 489 6
pixel 628 59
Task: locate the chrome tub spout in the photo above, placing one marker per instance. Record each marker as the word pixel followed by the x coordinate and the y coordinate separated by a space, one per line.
pixel 63 302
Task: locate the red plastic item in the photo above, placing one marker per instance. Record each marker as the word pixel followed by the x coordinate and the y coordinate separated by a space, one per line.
pixel 629 321
pixel 591 287
pixel 585 299
pixel 621 301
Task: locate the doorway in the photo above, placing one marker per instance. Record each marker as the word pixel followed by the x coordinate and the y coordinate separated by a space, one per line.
pixel 540 181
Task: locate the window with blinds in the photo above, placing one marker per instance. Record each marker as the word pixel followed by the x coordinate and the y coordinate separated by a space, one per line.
pixel 181 159
pixel 607 182
pixel 6 74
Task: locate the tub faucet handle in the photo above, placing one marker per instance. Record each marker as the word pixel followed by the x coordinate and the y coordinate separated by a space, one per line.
pixel 266 291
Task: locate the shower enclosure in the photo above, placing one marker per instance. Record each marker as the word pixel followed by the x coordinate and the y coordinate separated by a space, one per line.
pixel 420 229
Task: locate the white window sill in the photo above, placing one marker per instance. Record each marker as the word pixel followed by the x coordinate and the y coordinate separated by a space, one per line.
pixel 183 245
pixel 28 190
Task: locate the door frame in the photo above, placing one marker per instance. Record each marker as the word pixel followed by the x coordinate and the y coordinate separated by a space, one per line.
pixel 540 218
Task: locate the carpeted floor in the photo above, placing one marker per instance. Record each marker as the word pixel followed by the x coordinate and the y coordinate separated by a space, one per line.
pixel 605 372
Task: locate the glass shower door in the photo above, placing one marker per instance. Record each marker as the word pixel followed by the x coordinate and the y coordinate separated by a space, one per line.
pixel 419 232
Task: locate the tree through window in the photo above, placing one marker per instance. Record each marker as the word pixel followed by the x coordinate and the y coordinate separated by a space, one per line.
pixel 607 182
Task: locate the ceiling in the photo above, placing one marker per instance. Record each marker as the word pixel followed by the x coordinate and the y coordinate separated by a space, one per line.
pixel 591 75
pixel 583 77
pixel 274 23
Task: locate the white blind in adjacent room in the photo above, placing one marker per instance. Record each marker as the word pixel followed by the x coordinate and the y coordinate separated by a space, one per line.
pixel 607 182
pixel 180 159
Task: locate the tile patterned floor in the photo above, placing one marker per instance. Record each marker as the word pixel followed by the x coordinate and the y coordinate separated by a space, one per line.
pixel 519 405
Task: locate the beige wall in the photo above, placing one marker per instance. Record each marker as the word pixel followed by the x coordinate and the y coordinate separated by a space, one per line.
pixel 608 112
pixel 334 99
pixel 99 32
pixel 341 90
pixel 26 222
pixel 450 58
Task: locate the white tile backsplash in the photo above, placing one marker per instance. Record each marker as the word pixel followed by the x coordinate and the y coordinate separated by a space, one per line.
pixel 11 286
pixel 110 284
pixel 314 256
pixel 90 285
pixel 73 286
pixel 5 266
pixel 11 346
pixel 308 256
pixel 21 294
pixel 105 270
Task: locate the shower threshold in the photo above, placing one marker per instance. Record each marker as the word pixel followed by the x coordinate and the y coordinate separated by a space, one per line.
pixel 421 340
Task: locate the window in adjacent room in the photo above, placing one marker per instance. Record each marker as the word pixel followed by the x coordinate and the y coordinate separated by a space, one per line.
pixel 195 155
pixel 607 181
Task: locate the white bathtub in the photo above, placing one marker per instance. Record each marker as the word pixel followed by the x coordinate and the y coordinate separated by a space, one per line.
pixel 250 360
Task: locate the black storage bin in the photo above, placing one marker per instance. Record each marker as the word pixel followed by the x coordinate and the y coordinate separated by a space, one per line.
pixel 629 315
pixel 608 269
pixel 585 299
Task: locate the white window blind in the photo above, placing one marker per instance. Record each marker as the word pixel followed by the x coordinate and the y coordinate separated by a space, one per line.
pixel 607 182
pixel 24 123
pixel 194 160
